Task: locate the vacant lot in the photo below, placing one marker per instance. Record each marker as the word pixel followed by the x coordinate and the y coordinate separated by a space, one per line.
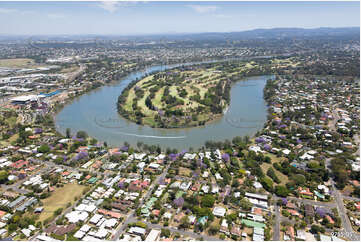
pixel 60 199
pixel 184 171
pixel 283 178
pixel 18 63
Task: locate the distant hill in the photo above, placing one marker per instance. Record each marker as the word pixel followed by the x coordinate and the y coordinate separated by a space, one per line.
pixel 275 33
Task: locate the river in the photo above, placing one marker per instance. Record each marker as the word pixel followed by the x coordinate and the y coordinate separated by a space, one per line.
pixel 96 113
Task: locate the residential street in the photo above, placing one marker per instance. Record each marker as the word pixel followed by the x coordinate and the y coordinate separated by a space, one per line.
pixel 276 227
pixel 131 218
pixel 183 232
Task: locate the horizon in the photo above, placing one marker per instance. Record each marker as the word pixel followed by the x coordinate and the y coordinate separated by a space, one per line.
pixel 174 33
pixel 171 18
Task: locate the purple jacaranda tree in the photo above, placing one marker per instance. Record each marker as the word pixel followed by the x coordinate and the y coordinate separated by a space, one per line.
pixel 81 155
pixel 183 152
pixel 178 202
pixel 321 212
pixel 260 140
pixel 226 157
pixel 121 185
pixel 161 113
pixel 267 147
pixel 282 126
pixel 195 174
pixel 172 156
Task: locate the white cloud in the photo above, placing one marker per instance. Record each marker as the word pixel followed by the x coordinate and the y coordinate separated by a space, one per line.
pixel 203 8
pixel 55 15
pixel 7 10
pixel 109 6
pixel 222 16
pixel 112 6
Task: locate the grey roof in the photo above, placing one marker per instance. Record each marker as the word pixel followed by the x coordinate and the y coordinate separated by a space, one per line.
pixel 16 202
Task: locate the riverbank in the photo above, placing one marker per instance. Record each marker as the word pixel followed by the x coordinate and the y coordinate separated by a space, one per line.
pixel 99 106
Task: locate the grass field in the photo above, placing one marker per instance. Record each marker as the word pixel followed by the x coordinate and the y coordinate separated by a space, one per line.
pixel 59 199
pixel 18 63
pixel 193 81
pixel 283 178
pixel 11 121
pixel 13 138
pixel 73 68
pixel 185 96
pixel 184 171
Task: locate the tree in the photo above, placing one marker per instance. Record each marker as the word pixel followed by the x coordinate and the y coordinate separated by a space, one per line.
pixel 207 201
pixel 245 204
pixel 68 134
pixel 3 176
pixel 299 179
pixel 184 223
pixel 165 233
pixel 281 191
pixel 44 148
pixel 214 229
pixel 271 173
pixel 82 134
pixel 267 184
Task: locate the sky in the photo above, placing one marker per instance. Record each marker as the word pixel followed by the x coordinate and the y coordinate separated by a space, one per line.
pixel 147 17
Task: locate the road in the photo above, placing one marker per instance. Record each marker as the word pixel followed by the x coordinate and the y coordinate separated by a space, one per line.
pixel 346 224
pixel 182 232
pixel 276 226
pixel 313 203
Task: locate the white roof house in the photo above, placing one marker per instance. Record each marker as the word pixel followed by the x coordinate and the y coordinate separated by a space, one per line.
pixel 102 233
pixel 306 156
pixel 141 165
pixel 110 223
pixel 286 151
pixel 76 216
pixel 205 188
pixel 255 148
pixel 153 235
pixel 154 166
pixel 257 185
pixel 185 185
pixel 218 176
pixel 167 215
pixel 137 230
pixel 26 232
pixel 79 234
pixel 96 218
pixel 219 211
pixel 85 228
pixel 189 156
